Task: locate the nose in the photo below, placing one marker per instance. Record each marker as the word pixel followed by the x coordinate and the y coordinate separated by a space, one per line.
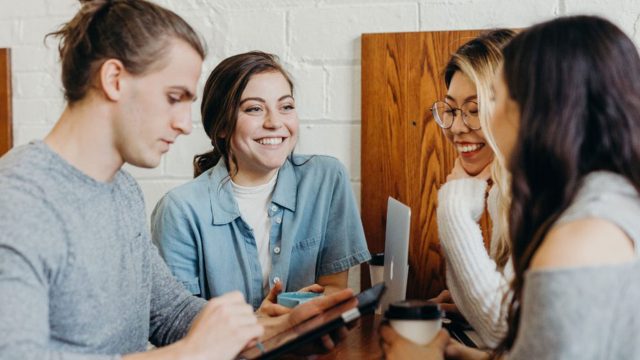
pixel 272 120
pixel 182 121
pixel 458 126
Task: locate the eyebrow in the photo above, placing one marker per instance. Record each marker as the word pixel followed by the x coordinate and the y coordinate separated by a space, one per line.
pixel 472 97
pixel 187 93
pixel 259 99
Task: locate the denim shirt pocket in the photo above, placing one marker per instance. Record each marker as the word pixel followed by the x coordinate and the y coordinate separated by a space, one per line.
pixel 311 242
pixel 303 265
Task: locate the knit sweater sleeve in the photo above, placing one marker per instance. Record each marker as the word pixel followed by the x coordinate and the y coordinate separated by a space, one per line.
pixel 476 285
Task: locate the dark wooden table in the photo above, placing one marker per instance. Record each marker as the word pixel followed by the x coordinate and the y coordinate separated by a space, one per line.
pixel 361 343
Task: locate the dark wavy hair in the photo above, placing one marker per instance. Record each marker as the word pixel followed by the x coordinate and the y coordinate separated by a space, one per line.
pixel 221 100
pixel 136 32
pixel 577 83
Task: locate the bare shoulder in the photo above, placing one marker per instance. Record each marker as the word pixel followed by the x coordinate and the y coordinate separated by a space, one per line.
pixel 584 242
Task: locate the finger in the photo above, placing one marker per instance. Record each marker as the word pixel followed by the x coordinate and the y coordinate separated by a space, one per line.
pixel 316 306
pixel 448 307
pixel 441 297
pixel 273 293
pixel 251 343
pixel 441 340
pixel 236 314
pixel 386 349
pixel 435 299
pixel 332 300
pixel 454 350
pixel 327 343
pixel 250 333
pixel 315 288
pixel 275 310
pixel 340 334
pixel 388 335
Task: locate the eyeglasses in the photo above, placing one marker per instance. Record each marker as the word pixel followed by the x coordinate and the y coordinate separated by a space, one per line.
pixel 445 114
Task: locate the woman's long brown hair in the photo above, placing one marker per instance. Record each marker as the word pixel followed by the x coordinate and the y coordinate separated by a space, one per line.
pixel 577 83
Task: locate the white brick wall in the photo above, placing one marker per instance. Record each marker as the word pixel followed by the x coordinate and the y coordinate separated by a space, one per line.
pixel 317 40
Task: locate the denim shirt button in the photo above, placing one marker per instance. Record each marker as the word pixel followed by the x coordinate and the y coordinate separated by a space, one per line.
pixel 276 280
pixel 278 220
pixel 276 250
pixel 274 208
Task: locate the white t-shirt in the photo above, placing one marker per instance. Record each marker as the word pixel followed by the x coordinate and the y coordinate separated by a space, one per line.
pixel 253 202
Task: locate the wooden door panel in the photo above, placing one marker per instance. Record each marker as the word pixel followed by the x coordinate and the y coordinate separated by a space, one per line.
pixel 6 133
pixel 382 78
pixel 404 153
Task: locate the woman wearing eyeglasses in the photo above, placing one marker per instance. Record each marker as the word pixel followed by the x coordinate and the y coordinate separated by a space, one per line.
pixel 477 280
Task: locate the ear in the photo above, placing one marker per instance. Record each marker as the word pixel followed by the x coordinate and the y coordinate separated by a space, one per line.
pixel 112 74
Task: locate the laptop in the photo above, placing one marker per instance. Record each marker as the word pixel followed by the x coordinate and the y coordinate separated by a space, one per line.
pixel 396 252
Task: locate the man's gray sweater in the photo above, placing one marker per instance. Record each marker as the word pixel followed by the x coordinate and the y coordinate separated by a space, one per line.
pixel 79 277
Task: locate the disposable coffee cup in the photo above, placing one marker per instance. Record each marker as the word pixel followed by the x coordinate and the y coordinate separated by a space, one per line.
pixel 416 320
pixel 376 268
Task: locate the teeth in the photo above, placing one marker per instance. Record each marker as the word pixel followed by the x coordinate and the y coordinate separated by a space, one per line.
pixel 270 141
pixel 469 148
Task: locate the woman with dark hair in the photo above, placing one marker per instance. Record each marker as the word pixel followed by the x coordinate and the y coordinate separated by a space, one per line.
pixel 258 218
pixel 567 114
pixel 567 105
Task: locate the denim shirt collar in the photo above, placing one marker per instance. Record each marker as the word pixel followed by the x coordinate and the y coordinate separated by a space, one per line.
pixel 224 207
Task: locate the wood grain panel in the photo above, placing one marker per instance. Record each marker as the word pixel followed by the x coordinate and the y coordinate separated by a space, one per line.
pixel 382 78
pixel 6 132
pixel 404 153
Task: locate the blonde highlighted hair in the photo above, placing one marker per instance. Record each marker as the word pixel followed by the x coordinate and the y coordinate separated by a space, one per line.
pixel 479 59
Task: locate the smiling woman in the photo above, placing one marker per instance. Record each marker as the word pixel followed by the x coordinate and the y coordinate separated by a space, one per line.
pixel 477 282
pixel 258 218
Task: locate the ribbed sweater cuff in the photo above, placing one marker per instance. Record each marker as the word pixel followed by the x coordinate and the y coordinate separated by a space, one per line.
pixel 463 196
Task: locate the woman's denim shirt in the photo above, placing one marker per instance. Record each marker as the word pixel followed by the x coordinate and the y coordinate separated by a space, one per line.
pixel 315 230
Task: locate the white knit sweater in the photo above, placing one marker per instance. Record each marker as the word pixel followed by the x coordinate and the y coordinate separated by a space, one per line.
pixel 476 285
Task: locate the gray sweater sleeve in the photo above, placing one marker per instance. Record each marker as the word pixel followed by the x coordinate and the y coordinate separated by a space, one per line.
pixel 579 313
pixel 28 267
pixel 173 308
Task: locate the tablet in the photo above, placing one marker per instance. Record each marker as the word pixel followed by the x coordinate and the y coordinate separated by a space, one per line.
pixel 461 331
pixel 321 324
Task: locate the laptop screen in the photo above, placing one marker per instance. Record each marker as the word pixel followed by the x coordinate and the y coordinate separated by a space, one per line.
pixel 396 252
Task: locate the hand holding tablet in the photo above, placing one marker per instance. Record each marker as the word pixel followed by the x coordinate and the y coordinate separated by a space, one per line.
pixel 313 319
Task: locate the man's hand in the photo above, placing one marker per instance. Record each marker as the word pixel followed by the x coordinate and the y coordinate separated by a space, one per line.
pixel 224 326
pixel 397 347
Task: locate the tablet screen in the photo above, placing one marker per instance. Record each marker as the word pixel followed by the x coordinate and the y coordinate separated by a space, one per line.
pixel 318 325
